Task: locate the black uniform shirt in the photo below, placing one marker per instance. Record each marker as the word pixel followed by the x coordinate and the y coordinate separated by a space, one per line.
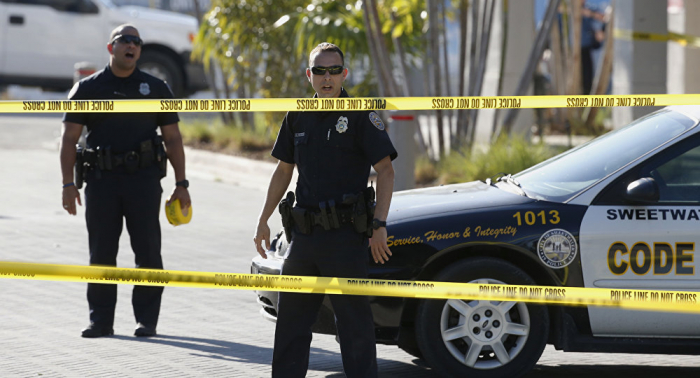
pixel 333 152
pixel 121 131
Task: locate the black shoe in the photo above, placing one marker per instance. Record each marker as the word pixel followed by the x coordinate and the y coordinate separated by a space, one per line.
pixel 94 330
pixel 144 331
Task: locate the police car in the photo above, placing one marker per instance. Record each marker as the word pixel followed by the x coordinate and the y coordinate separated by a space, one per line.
pixel 622 211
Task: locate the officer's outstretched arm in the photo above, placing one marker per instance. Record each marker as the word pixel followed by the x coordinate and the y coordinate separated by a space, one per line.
pixel 279 182
pixel 385 187
pixel 69 138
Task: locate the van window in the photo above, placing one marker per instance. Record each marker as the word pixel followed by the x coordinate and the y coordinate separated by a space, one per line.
pixel 73 6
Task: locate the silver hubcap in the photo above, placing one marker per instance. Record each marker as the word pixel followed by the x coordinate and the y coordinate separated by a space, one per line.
pixel 484 334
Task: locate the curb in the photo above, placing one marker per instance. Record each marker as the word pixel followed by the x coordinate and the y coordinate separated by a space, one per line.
pixel 239 171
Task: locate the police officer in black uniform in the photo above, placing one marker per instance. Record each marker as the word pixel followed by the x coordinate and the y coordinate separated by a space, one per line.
pixel 333 152
pixel 123 163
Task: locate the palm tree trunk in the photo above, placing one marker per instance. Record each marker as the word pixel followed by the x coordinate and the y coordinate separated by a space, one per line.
pixel 504 48
pixel 380 46
pixel 602 77
pixel 433 35
pixel 428 91
pixel 559 69
pixel 473 50
pixel 483 55
pixel 461 89
pixel 406 86
pixel 213 66
pixel 446 73
pixel 533 59
pixel 373 51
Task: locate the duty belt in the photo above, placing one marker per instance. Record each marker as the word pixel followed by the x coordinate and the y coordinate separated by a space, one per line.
pixel 151 151
pixel 356 209
pixel 106 160
pixel 328 217
pixel 128 157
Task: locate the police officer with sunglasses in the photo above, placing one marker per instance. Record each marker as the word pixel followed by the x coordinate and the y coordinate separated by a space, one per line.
pixel 333 152
pixel 123 162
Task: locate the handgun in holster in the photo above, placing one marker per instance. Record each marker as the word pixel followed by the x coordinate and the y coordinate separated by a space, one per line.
pixel 359 211
pixel 103 160
pixel 146 154
pixel 285 208
pixel 79 167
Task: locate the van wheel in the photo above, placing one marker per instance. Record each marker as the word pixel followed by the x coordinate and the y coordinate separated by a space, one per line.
pixel 476 338
pixel 163 67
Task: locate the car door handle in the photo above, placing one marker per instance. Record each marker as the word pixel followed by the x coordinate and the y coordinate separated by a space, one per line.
pixel 16 20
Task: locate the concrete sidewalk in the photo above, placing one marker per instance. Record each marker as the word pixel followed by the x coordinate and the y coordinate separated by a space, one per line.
pixel 202 332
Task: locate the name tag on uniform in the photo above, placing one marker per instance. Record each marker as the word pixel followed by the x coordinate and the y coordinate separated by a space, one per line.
pixel 299 134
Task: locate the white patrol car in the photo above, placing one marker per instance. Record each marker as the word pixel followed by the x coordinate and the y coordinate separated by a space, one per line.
pixel 622 211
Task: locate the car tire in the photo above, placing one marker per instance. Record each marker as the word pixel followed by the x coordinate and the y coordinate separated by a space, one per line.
pixel 165 68
pixel 463 338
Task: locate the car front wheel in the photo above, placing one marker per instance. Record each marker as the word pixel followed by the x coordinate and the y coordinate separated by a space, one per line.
pixel 477 338
pixel 165 68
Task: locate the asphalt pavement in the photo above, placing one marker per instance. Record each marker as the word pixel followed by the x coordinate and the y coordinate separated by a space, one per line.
pixel 202 332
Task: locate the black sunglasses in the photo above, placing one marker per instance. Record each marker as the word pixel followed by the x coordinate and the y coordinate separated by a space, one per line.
pixel 333 70
pixel 126 39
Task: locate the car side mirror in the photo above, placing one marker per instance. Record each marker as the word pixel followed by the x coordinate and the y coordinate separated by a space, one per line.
pixel 644 190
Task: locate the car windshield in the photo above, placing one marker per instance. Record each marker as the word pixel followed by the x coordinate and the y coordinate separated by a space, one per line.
pixel 565 175
pixel 108 3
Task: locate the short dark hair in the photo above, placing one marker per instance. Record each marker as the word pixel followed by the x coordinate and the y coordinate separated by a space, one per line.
pixel 326 47
pixel 119 29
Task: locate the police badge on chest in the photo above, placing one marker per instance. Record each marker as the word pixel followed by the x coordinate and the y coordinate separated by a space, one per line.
pixel 144 89
pixel 342 125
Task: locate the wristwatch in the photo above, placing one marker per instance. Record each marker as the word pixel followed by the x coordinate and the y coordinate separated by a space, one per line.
pixel 376 223
pixel 184 183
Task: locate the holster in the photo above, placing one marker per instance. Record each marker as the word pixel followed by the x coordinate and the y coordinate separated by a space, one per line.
pixel 161 156
pixel 362 210
pixel 79 168
pixel 370 205
pixel 302 220
pixel 131 162
pixel 285 208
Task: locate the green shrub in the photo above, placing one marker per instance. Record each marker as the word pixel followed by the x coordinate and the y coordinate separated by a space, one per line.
pixel 507 155
pixel 212 133
pixel 426 172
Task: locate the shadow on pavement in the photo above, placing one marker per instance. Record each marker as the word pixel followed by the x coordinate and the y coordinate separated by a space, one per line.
pixel 210 348
pixel 246 353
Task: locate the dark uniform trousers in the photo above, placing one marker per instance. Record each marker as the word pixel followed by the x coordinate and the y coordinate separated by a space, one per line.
pixel 335 253
pixel 108 201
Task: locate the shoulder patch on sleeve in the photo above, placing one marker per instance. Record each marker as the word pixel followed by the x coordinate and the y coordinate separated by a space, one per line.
pixel 73 91
pixel 376 121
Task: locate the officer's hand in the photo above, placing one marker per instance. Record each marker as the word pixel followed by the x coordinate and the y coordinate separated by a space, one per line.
pixel 181 193
pixel 262 233
pixel 70 195
pixel 380 251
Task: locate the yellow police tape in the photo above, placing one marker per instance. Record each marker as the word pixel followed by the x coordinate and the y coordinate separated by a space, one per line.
pixel 682 39
pixel 344 104
pixel 658 300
